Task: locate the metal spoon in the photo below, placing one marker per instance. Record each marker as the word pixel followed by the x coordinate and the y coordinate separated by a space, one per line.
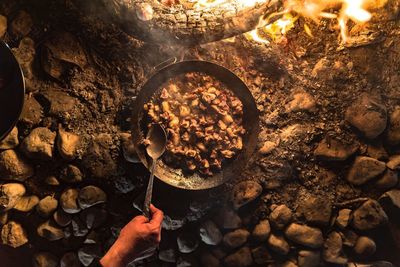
pixel 157 139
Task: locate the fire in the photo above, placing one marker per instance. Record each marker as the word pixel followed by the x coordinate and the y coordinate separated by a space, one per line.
pixel 341 10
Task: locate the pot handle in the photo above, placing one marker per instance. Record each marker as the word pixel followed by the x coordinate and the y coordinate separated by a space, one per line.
pixel 165 63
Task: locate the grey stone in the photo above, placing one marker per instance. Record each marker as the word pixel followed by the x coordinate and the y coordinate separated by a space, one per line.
pixel 187 261
pixel 79 228
pixel 236 238
pixel 10 195
pixel 333 249
pixel 10 141
pixel 167 255
pixel 304 235
pixel 245 192
pixel 280 216
pixel 228 219
pixel 393 135
pixel 209 233
pixel 388 180
pixel 44 259
pixel 343 219
pixel 67 144
pixel 368 115
pixel 14 167
pixel 123 185
pixel 261 255
pixel 330 149
pixel 62 218
pixel 365 247
pixel 170 223
pixel 88 254
pixel 394 162
pixel 39 144
pixel 69 201
pixel 241 258
pixel 47 206
pixel 309 258
pixel 92 238
pixel 90 196
pixel 13 235
pixel 368 216
pixel 187 242
pixel 22 24
pixel 316 209
pixel 278 244
pixel 94 217
pixel 50 231
pixel 26 203
pixel 71 174
pixel 70 259
pixel 365 169
pixel 261 231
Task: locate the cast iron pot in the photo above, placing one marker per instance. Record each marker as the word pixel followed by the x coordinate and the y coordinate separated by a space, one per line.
pixel 175 177
pixel 12 90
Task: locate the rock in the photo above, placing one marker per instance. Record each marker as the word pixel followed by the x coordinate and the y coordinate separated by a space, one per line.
pixel 44 259
pixel 241 258
pixel 79 228
pixel 172 224
pixel 333 249
pixel 261 231
pixel 39 144
pixel 368 115
pixel 90 196
pixel 394 162
pixel 304 235
pixel 321 69
pixel 301 101
pixel 278 244
pixel 228 219
pixel 349 238
pixel 13 235
pixel 343 219
pixel 236 238
pixel 67 144
pixel 26 203
pixel 47 206
pixel 3 218
pixel 3 26
pixel 51 180
pixel 261 255
pixel 98 160
pixel 372 264
pixel 71 174
pixel 187 242
pixel 365 169
pixel 390 201
pixel 309 258
pixel 268 147
pixel 123 185
pixel 218 252
pixel 316 209
pixel 14 167
pixel 50 231
pixel 276 173
pixel 69 201
pixel 62 105
pixel 186 261
pixel 280 216
pixel 393 135
pixel 128 148
pixel 167 255
pixel 331 149
pixel 10 195
pixel 368 216
pixel 245 192
pixel 210 234
pixel 88 254
pixel 377 151
pixel 207 259
pixel 365 247
pixel 10 141
pixel 94 217
pixel 22 24
pixel 25 54
pixel 60 49
pixel 32 112
pixel 388 180
pixel 62 218
pixel 70 259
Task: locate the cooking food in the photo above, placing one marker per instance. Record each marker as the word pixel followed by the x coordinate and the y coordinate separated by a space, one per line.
pixel 203 121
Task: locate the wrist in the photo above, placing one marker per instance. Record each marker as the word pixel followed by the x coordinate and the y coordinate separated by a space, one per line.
pixel 113 258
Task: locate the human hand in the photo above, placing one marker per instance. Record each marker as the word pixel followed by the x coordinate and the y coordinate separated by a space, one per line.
pixel 137 240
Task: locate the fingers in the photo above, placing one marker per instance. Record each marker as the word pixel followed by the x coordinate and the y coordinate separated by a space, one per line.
pixel 139 220
pixel 157 216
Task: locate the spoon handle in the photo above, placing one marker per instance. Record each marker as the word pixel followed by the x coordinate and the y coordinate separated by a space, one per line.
pixel 149 191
